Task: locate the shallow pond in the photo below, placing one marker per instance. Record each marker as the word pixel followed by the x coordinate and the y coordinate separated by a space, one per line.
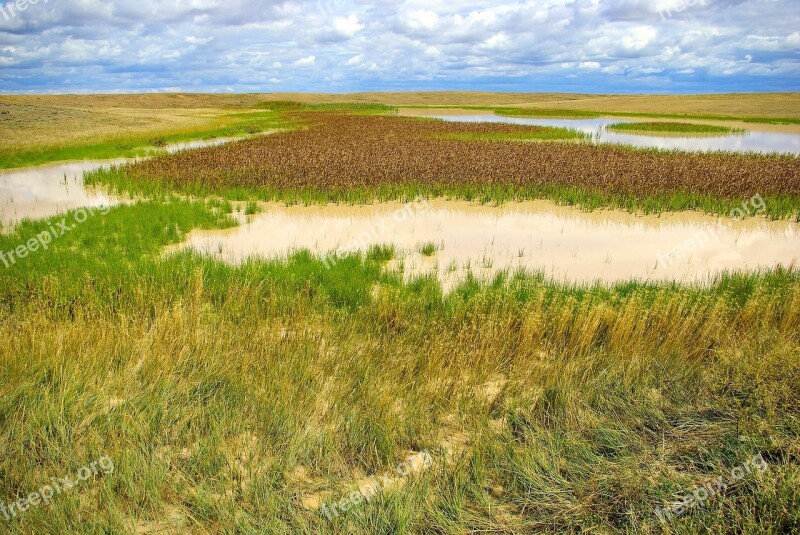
pixel 450 238
pixel 750 141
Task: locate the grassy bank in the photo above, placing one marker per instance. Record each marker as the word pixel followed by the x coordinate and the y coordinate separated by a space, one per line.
pixel 228 397
pixel 766 105
pixel 355 108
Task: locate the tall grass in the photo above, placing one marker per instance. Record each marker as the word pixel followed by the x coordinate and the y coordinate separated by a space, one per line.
pixel 226 395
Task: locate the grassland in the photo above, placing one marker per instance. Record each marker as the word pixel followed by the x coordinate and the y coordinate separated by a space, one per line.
pixel 45 128
pixel 227 397
pixel 238 399
pixel 341 157
pixel 673 128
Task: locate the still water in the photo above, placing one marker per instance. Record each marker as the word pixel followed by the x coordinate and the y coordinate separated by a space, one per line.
pixel 750 141
pixel 565 244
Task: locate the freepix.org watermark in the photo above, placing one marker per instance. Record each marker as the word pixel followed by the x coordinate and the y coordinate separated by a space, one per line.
pixel 679 7
pixel 711 488
pixel 377 484
pixel 9 10
pixel 700 240
pixel 47 493
pixel 46 237
pixel 373 234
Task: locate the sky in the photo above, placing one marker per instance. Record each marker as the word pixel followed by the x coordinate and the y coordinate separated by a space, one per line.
pixel 580 46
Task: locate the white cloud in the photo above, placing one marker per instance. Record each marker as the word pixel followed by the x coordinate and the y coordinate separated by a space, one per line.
pixel 498 41
pixel 420 19
pixel 306 61
pixel 347 27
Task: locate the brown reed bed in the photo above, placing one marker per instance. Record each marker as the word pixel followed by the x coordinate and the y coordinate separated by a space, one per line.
pixel 338 152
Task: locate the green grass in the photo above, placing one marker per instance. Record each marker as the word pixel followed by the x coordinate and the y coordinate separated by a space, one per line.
pixel 224 395
pixel 673 128
pixel 252 208
pixel 428 249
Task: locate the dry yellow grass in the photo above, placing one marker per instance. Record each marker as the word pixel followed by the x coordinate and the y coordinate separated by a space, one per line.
pixel 32 125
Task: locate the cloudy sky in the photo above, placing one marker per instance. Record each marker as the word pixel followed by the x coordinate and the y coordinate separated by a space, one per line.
pixel 599 46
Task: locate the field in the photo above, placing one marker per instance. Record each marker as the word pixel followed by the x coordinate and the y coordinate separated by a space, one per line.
pixel 265 397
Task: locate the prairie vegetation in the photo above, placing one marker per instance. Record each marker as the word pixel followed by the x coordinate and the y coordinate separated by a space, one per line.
pixel 363 158
pixel 239 399
pixel 45 128
pixel 235 399
pixel 766 105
